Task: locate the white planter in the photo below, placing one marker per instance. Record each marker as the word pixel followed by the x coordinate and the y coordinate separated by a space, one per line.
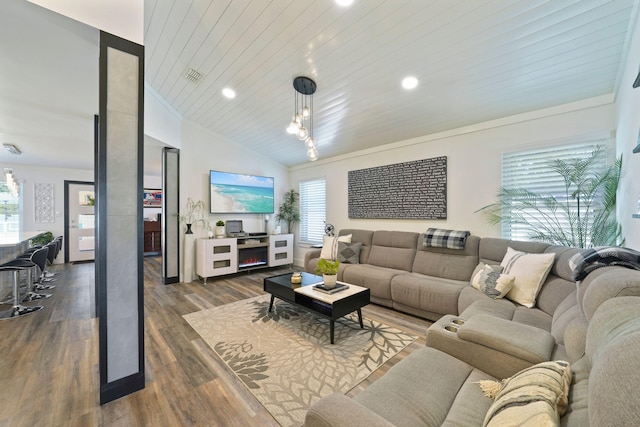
pixel 220 233
pixel 329 280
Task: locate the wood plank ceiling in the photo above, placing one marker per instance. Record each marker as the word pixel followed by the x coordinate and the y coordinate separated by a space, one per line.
pixel 475 61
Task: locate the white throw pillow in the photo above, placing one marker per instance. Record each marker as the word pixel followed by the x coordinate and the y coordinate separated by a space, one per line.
pixel 529 272
pixel 330 246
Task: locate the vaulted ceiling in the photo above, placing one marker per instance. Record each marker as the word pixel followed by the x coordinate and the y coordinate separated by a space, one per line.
pixel 475 61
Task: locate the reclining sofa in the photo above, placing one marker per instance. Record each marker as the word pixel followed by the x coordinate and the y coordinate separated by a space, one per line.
pixel 593 324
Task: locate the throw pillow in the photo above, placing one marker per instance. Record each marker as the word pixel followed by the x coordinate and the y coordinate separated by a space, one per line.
pixel 529 272
pixel 330 246
pixel 535 396
pixel 487 279
pixel 441 238
pixel 349 253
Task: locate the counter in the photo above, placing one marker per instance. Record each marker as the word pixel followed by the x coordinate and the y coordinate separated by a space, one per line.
pixel 13 244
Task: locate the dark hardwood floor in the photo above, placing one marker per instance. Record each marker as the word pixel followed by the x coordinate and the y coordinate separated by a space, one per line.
pixel 49 360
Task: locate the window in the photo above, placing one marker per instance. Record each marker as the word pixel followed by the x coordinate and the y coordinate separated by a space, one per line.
pixel 312 211
pixel 532 170
pixel 9 210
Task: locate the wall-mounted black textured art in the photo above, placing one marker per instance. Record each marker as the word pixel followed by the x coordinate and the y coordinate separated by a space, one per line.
pixel 409 190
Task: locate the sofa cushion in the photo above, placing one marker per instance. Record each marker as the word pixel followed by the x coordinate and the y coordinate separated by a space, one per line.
pixel 377 279
pixel 561 266
pixel 447 263
pixel 535 396
pixel 605 283
pixel 349 253
pixel 530 272
pixel 532 317
pixel 554 290
pixel 489 280
pixel 472 301
pixel 492 249
pixel 613 341
pixel 441 238
pixel 423 388
pixel 393 249
pixel 525 342
pixel 431 294
pixel 567 311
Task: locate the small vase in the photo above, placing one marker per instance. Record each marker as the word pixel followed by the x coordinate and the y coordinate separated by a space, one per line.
pixel 329 280
pixel 189 229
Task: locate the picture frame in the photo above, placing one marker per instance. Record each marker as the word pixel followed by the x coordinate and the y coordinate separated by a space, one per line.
pixel 152 198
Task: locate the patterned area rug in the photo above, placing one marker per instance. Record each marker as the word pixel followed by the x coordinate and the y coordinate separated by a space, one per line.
pixel 285 358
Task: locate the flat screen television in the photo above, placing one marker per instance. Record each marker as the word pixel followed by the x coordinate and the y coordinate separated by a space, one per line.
pixel 240 193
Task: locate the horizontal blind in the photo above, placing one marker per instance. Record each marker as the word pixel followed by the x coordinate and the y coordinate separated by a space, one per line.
pixel 312 211
pixel 531 170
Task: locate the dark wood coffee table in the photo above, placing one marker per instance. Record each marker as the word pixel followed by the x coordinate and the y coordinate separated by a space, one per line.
pixel 329 306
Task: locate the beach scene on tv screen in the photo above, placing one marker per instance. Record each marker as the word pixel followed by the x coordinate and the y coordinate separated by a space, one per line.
pixel 237 193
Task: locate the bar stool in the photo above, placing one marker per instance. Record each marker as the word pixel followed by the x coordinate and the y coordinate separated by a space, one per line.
pixel 31 268
pixel 17 310
pixel 39 258
pixel 47 276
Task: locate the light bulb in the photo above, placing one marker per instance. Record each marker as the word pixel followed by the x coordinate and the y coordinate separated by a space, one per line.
pixel 292 128
pixel 306 112
pixel 302 133
pixel 312 154
pixel 310 142
pixel 297 118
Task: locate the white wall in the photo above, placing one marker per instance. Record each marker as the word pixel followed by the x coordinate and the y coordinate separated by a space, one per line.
pixel 123 18
pixel 161 122
pixel 30 175
pixel 203 151
pixel 473 163
pixel 627 135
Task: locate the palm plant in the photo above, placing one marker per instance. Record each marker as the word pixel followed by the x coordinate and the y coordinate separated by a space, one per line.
pixel 584 216
pixel 288 211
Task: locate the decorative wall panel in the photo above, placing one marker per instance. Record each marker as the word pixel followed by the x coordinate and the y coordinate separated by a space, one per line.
pixel 410 190
pixel 43 204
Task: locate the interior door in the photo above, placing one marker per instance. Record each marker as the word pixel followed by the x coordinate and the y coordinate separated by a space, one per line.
pixel 80 221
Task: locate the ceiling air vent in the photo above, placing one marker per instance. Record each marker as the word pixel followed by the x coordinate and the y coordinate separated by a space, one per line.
pixel 193 75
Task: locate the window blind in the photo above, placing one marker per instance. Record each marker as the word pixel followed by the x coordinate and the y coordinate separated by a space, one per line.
pixel 531 170
pixel 312 210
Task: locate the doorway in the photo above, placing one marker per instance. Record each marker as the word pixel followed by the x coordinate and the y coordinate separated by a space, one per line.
pixel 79 221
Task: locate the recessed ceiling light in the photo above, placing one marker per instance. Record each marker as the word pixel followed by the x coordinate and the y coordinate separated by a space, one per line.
pixel 229 93
pixel 344 3
pixel 409 83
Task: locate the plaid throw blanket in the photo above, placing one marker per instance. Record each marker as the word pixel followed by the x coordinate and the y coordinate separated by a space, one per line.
pixel 586 261
pixel 439 238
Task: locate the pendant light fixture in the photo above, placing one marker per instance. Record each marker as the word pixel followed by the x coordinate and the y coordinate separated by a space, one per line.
pixel 301 124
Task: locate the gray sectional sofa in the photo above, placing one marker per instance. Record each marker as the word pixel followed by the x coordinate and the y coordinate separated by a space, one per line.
pixel 594 325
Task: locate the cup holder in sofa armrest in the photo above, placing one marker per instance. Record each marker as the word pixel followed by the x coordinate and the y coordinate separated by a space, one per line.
pixel 526 342
pixel 451 328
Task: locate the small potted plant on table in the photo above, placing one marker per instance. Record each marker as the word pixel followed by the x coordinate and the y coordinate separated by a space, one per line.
pixel 329 270
pixel 220 233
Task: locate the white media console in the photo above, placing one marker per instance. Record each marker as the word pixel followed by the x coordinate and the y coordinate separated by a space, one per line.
pixel 217 257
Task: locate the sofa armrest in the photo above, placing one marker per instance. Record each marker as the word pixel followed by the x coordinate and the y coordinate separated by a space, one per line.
pixel 523 341
pixel 340 410
pixel 308 256
pixel 496 346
